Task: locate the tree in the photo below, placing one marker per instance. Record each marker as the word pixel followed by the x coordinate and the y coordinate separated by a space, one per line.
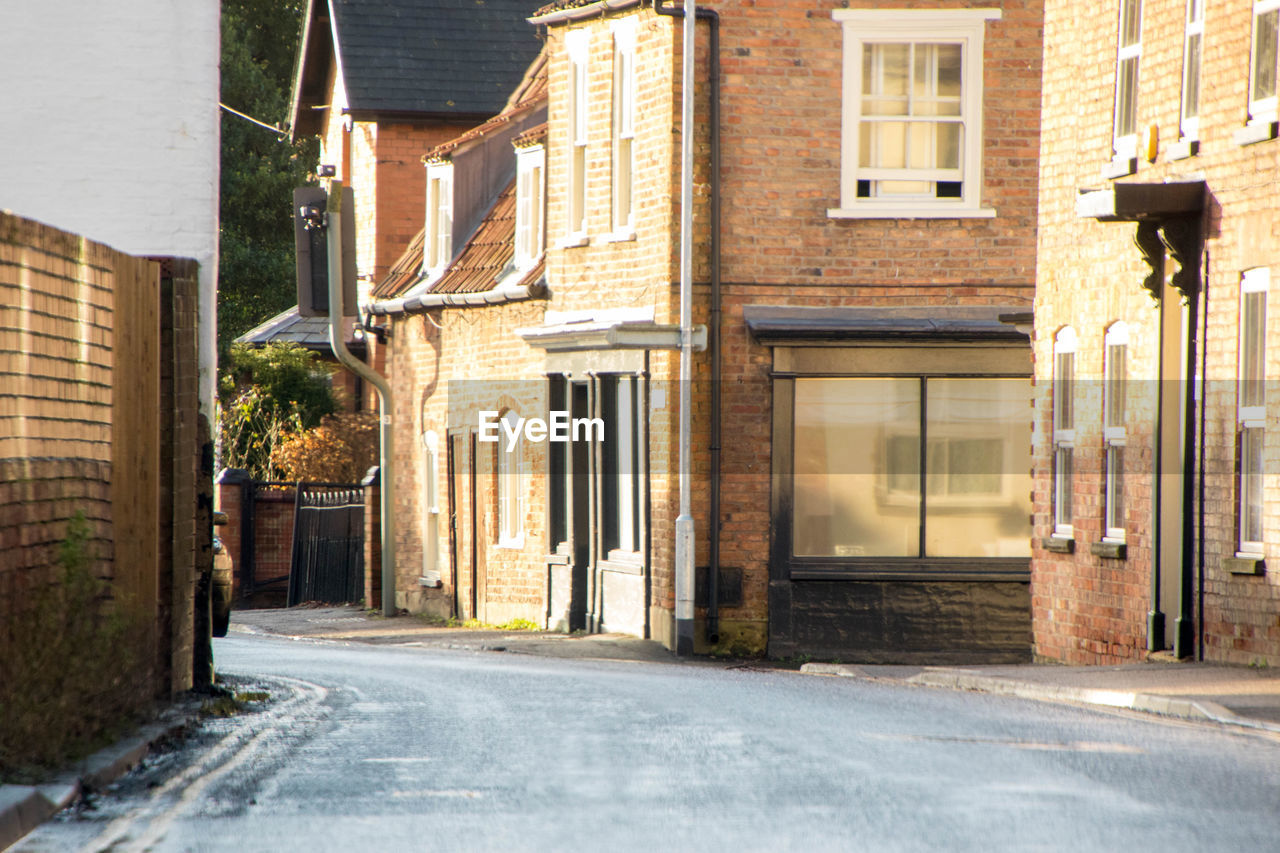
pixel 259 168
pixel 269 393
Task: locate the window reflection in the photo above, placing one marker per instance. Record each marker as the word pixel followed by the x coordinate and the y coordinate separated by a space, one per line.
pixel 857 458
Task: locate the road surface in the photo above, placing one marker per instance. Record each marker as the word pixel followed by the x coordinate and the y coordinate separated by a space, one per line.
pixel 398 748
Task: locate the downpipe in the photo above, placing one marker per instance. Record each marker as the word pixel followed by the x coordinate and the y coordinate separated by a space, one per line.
pixel 333 225
pixel 713 75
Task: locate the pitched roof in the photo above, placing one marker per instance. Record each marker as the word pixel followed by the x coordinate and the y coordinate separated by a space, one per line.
pixel 477 268
pixel 404 57
pixel 530 95
pixel 310 332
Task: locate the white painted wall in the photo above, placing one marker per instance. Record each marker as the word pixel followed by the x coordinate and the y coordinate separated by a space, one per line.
pixel 109 128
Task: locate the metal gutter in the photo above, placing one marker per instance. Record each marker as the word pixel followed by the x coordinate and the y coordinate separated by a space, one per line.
pixel 580 13
pixel 500 295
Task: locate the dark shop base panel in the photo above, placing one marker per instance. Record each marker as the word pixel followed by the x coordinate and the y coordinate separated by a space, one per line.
pixel 904 622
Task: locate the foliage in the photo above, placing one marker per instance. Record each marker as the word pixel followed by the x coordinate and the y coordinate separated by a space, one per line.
pixel 259 168
pixel 341 450
pixel 71 665
pixel 268 393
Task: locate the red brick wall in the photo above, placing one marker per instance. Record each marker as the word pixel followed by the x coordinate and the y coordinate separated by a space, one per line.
pixel 1089 609
pixel 781 90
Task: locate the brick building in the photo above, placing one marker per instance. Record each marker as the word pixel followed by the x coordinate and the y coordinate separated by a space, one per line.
pixel 468 535
pixel 1155 458
pixel 382 81
pixel 854 259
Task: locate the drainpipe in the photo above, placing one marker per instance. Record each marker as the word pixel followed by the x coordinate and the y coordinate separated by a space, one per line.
pixel 1184 625
pixel 1155 617
pixel 713 74
pixel 1204 380
pixel 333 223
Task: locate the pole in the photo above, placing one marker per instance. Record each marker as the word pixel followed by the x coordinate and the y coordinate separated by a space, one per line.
pixel 333 221
pixel 684 574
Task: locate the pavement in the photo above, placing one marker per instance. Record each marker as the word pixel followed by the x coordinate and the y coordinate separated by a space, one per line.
pixel 24 807
pixel 1246 698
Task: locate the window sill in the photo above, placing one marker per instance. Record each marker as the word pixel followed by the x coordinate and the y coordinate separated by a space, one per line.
pixel 623 563
pixel 1245 564
pixel 515 544
pixel 1108 550
pixel 1182 149
pixel 430 581
pixel 1254 132
pixel 1119 167
pixel 1058 544
pixel 877 212
pixel 574 242
pixel 627 236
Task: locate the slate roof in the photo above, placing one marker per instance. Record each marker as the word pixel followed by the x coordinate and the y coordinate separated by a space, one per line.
pixel 310 332
pixel 426 57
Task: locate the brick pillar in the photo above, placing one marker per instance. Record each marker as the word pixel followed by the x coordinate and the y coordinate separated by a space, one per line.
pixel 373 539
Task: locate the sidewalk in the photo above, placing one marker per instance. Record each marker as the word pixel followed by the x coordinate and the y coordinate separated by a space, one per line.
pixel 1230 695
pixel 354 624
pixel 24 807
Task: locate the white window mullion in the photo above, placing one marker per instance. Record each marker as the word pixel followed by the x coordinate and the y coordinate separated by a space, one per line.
pixel 1251 408
pixel 1064 433
pixel 1263 60
pixel 1192 56
pixel 576 43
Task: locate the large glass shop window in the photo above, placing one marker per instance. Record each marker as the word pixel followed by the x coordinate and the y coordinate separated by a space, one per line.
pixel 912 467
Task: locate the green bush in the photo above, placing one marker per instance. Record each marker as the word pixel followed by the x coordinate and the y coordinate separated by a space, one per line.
pixel 269 393
pixel 72 666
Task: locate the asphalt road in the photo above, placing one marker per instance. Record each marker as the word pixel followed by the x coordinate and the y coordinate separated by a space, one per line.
pixel 397 748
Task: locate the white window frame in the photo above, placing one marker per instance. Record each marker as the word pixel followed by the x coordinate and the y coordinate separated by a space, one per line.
pixel 1064 433
pixel 623 129
pixel 437 241
pixel 430 502
pixel 1193 33
pixel 530 206
pixel 576 45
pixel 1261 109
pixel 1115 366
pixel 1251 400
pixel 917 26
pixel 1125 145
pixel 510 487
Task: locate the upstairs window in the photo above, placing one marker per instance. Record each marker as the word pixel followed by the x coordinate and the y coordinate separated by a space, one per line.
pixel 1262 63
pixel 1192 48
pixel 437 248
pixel 1064 430
pixel 1128 56
pixel 1115 436
pixel 530 204
pixel 576 44
pixel 1251 407
pixel 623 124
pixel 911 135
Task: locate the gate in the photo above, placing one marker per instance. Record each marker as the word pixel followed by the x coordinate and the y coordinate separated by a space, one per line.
pixel 328 544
